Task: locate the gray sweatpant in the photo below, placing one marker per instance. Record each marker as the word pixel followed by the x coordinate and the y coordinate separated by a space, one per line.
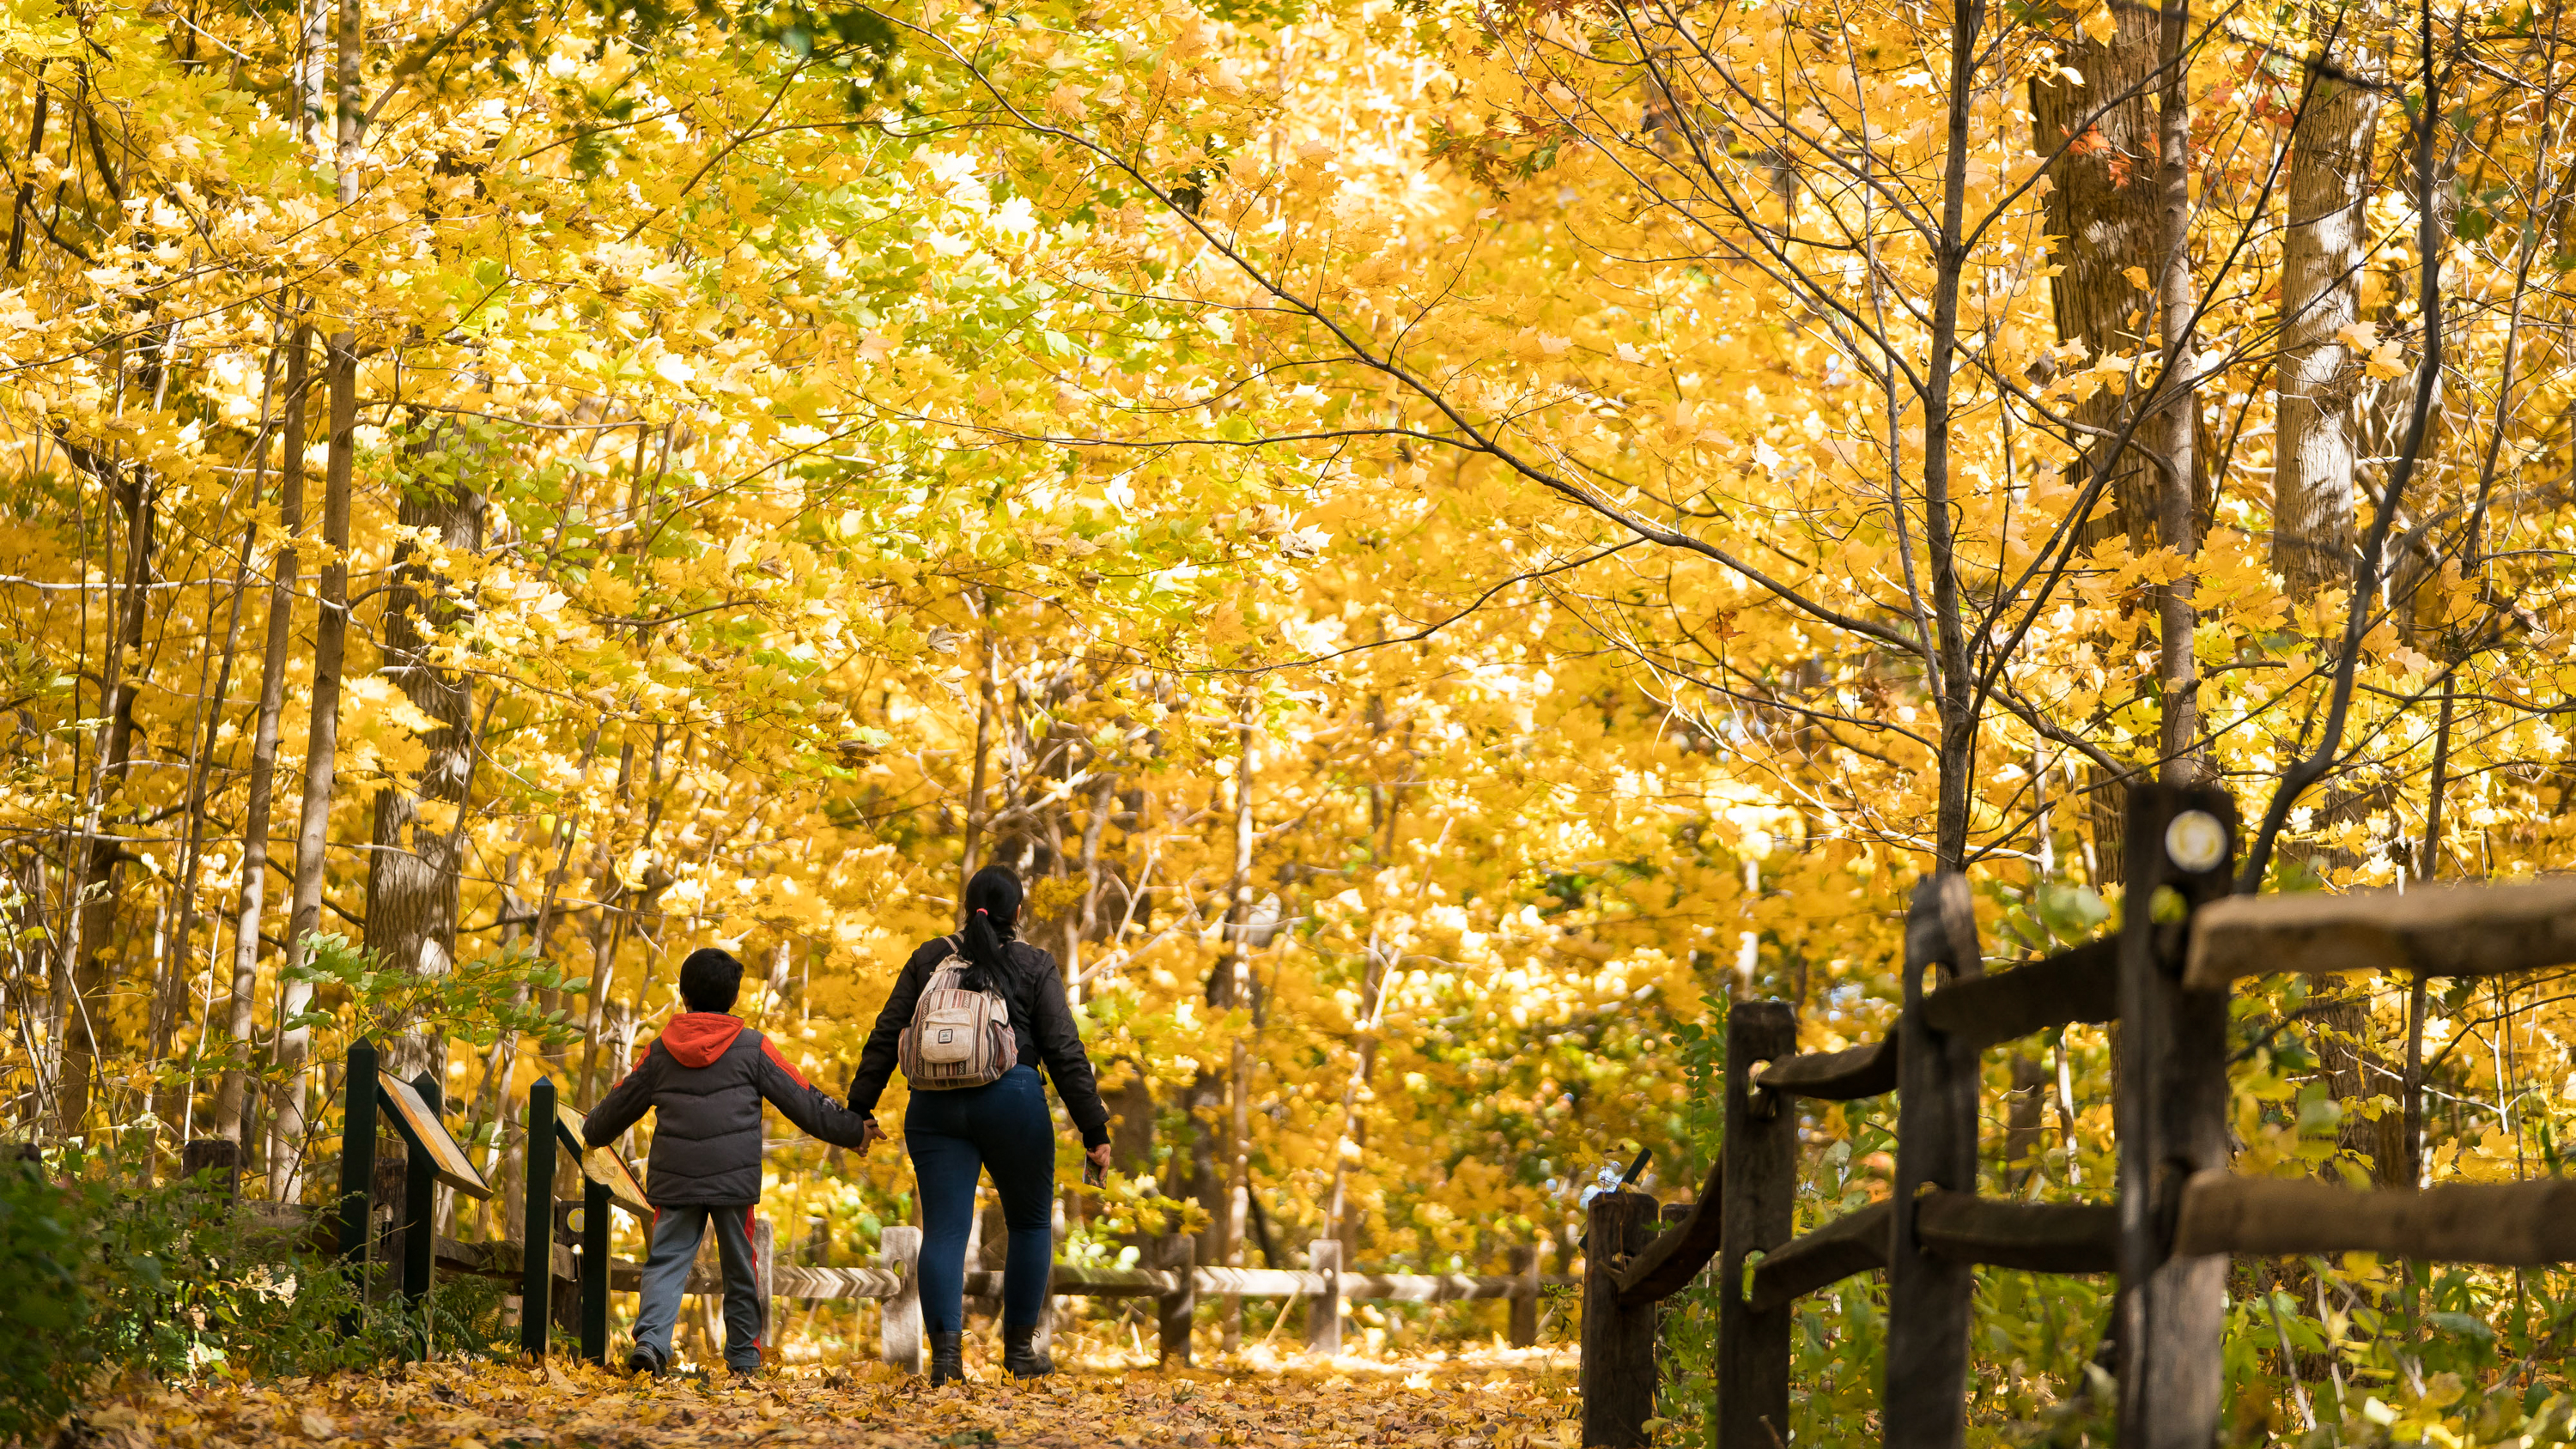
pixel 677 1231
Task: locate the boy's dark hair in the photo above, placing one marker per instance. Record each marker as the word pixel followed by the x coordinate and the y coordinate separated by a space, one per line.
pixel 710 979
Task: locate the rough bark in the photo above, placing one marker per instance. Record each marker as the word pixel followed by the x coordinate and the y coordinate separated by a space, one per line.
pixel 2323 251
pixel 412 867
pixel 2101 212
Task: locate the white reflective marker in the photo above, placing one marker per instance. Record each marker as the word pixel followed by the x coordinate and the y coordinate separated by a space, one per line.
pixel 2196 841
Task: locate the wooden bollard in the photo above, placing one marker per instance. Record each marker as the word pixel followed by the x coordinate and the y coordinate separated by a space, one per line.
pixel 2171 1116
pixel 1324 1310
pixel 1524 1299
pixel 1761 1183
pixel 1174 1310
pixel 899 1324
pixel 1929 1298
pixel 1618 1375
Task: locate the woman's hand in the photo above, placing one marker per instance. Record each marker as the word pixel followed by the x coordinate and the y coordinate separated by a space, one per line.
pixel 1095 1165
pixel 1099 1156
pixel 871 1135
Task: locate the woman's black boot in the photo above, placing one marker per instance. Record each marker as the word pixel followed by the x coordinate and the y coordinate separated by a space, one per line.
pixel 1020 1354
pixel 947 1357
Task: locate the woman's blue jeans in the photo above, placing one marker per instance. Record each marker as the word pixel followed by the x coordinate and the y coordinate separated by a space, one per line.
pixel 1002 1127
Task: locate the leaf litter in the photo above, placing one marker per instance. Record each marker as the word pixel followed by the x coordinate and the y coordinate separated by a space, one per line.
pixel 1465 1401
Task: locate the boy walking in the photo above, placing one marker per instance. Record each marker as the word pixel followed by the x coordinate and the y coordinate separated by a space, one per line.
pixel 706 1076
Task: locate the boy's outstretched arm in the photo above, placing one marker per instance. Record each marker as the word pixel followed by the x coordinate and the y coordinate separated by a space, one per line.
pixel 804 1104
pixel 623 1107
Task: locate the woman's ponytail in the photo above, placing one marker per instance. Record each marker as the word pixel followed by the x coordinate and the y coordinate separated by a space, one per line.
pixel 992 921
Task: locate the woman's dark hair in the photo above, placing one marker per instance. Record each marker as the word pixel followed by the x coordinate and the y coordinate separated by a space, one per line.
pixel 992 920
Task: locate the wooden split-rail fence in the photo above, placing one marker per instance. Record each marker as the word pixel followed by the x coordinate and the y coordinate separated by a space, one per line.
pixel 2164 975
pixel 565 1273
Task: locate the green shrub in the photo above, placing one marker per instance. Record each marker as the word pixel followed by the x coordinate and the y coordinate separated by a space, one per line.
pixel 40 1299
pixel 172 1282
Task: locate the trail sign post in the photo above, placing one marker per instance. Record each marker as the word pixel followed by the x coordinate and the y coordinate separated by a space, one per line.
pixel 434 1157
pixel 605 1179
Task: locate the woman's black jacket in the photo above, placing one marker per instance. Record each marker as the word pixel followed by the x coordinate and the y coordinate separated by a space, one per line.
pixel 1040 1016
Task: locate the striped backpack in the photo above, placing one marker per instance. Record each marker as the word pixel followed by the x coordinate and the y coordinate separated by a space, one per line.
pixel 958 1037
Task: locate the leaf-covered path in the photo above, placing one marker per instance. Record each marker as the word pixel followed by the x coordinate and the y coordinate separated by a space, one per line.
pixel 1508 1402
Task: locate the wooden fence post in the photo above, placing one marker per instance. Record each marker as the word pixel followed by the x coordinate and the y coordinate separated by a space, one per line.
pixel 1324 1310
pixel 1524 1299
pixel 1929 1299
pixel 1618 1372
pixel 537 1266
pixel 220 1156
pixel 1761 1177
pixel 2172 1121
pixel 899 1324
pixel 1174 1310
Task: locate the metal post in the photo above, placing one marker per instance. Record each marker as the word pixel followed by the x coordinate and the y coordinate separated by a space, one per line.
pixel 899 1324
pixel 536 1272
pixel 2171 1118
pixel 420 1213
pixel 594 1271
pixel 1324 1310
pixel 357 1167
pixel 1761 1163
pixel 1928 1298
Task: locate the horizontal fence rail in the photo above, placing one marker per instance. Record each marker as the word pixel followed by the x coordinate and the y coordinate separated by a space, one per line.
pixel 2449 930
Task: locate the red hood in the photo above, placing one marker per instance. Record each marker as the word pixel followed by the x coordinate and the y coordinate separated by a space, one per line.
pixel 697 1038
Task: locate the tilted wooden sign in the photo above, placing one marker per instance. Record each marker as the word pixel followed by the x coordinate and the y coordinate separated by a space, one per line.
pixel 428 1136
pixel 602 1165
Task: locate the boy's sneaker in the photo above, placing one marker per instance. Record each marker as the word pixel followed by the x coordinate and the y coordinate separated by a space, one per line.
pixel 644 1361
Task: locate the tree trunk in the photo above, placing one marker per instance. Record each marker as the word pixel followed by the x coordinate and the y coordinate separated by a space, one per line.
pixel 90 1033
pixel 2322 256
pixel 330 647
pixel 232 1102
pixel 170 995
pixel 412 867
pixel 2177 502
pixel 1217 1182
pixel 2102 214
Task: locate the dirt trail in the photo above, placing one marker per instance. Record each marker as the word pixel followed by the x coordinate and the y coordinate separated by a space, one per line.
pixel 1505 1401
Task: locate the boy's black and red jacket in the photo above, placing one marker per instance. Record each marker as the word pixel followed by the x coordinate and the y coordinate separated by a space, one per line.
pixel 704 1078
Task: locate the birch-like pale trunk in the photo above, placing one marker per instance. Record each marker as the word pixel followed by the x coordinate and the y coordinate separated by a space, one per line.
pixel 2323 251
pixel 2177 513
pixel 233 1105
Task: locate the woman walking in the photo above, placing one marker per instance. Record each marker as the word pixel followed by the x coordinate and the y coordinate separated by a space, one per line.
pixel 999 1124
